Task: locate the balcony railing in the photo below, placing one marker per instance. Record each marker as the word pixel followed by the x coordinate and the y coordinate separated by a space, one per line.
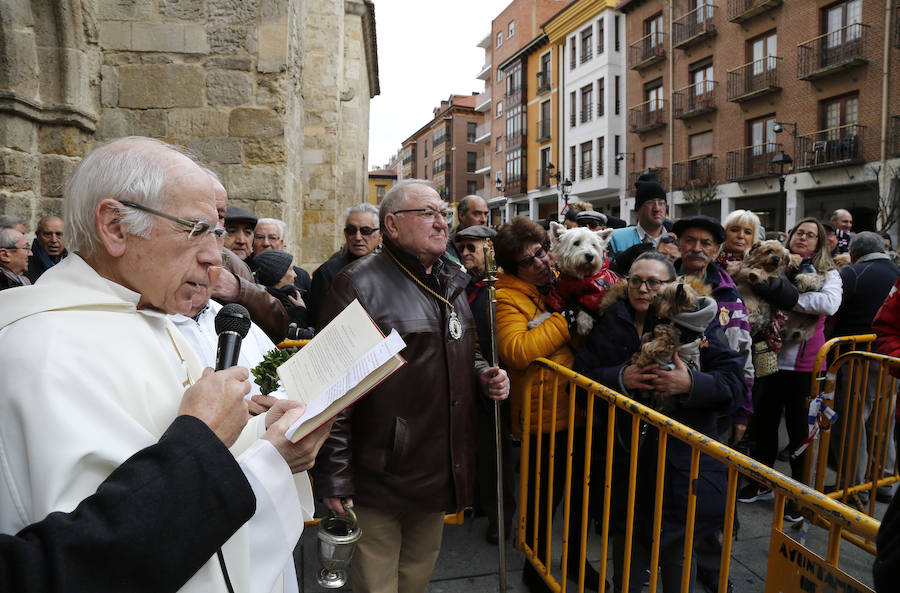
pixel 542 176
pixel 587 170
pixel 409 158
pixel 646 51
pixel 515 134
pixel 894 138
pixel 840 145
pixel 543 130
pixel 513 184
pixel 441 138
pixel 749 162
pixel 587 54
pixel 483 132
pixel 600 163
pixel 694 26
pixel 832 52
pixel 483 101
pixel 483 164
pixel 695 99
pixel 661 173
pixel 696 171
pixel 441 166
pixel 543 82
pixel 754 79
pixel 744 10
pixel 586 112
pixel 572 120
pixel 647 116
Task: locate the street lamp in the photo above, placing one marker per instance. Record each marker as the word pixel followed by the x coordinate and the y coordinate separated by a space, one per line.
pixel 782 162
pixel 563 188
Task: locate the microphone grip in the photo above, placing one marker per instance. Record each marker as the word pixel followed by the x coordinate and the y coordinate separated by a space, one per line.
pixel 228 350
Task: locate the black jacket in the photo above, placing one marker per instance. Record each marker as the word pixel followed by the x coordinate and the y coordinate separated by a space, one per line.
pixel 322 279
pixel 866 285
pixel 152 524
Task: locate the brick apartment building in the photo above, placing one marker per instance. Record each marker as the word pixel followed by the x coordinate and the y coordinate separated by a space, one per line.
pixel 716 89
pixel 444 150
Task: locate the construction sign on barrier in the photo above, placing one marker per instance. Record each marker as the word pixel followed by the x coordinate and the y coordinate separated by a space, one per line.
pixel 794 568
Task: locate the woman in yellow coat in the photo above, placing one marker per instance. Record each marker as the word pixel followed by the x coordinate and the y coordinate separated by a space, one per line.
pixel 527 330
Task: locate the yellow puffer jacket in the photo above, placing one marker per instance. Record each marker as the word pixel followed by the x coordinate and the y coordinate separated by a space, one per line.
pixel 519 302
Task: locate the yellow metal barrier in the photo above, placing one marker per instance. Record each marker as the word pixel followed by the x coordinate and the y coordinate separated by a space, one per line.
pixel 557 381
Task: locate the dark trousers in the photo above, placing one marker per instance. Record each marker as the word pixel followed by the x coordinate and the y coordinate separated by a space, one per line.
pixel 784 391
pixel 486 465
pixel 557 478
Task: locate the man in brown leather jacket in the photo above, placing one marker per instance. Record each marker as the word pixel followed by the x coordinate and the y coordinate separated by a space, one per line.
pixel 236 284
pixel 405 453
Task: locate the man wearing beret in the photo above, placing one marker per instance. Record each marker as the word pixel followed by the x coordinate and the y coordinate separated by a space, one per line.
pixel 650 208
pixel 596 221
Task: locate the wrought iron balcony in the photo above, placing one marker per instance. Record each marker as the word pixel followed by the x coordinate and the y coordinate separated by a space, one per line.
pixel 543 82
pixel 586 112
pixel 543 178
pixel 832 52
pixel 694 26
pixel 647 116
pixel 661 173
pixel 587 170
pixel 754 79
pixel 646 51
pixel 749 162
pixel 744 10
pixel 543 130
pixel 409 158
pixel 572 120
pixel 694 100
pixel 587 54
pixel 841 145
pixel 695 171
pixel 440 138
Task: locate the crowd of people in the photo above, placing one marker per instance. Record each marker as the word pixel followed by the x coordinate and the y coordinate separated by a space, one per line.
pixel 112 340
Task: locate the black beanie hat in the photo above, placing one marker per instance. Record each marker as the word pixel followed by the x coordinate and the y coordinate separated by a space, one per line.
pixel 271 266
pixel 648 188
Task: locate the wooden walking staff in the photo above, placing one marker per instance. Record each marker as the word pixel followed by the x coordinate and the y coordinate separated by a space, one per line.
pixel 491 271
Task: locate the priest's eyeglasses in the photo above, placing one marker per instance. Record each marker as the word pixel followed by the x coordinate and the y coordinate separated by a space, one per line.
pixel 199 228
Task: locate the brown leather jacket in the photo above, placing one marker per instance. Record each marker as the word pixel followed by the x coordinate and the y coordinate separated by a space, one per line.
pixel 265 310
pixel 409 444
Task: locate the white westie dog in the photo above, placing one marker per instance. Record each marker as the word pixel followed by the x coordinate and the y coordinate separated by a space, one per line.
pixel 584 272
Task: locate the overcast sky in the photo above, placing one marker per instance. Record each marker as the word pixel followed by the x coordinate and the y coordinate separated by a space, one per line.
pixel 426 52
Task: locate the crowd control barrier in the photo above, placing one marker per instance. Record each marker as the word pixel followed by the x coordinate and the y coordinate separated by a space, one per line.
pixel 550 380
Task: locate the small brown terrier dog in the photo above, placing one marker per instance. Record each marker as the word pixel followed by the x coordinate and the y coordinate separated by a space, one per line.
pixel 764 260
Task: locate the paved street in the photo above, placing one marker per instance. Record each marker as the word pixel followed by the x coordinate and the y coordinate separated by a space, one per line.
pixel 467 563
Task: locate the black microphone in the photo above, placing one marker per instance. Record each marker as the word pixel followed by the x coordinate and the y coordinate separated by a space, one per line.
pixel 232 324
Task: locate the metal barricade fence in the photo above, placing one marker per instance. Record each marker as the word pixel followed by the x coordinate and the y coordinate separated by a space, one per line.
pixel 556 381
pixel 852 416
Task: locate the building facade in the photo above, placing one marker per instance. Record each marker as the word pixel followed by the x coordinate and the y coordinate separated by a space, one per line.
pixel 380 181
pixel 273 95
pixel 445 150
pixel 588 37
pixel 717 91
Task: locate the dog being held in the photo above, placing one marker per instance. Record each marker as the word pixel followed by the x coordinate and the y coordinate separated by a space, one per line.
pixel 764 260
pixel 801 326
pixel 584 274
pixel 689 311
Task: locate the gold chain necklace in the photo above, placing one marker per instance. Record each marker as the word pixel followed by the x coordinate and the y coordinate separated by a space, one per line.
pixel 453 325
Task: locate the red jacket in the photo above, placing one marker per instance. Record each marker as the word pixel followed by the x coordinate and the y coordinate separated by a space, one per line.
pixel 587 292
pixel 887 324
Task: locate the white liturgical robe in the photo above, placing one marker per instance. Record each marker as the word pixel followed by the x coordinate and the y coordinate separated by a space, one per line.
pixel 89 380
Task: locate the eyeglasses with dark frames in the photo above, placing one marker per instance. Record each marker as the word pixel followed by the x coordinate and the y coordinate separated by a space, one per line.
pixel 198 227
pixel 27 247
pixel 365 231
pixel 665 239
pixel 541 252
pixel 429 214
pixel 653 284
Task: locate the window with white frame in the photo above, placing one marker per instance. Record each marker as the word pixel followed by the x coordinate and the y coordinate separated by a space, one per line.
pixel 499 38
pixel 511 29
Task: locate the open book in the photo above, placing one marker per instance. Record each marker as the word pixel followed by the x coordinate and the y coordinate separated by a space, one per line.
pixel 338 366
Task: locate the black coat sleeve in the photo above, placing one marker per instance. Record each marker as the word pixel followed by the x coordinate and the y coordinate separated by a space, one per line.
pixel 886 567
pixel 778 291
pixel 149 527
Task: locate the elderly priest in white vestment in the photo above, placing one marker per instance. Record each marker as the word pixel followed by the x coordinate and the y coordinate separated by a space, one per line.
pixel 93 370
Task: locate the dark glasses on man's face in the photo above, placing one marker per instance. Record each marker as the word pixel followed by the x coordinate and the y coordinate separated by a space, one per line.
pixel 668 239
pixel 466 247
pixel 365 231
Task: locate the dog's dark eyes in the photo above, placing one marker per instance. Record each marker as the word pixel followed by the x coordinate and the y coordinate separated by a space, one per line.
pixel 577 243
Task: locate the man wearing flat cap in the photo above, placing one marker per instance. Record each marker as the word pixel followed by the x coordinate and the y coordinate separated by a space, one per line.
pixel 470 243
pixel 596 221
pixel 239 225
pixel 650 208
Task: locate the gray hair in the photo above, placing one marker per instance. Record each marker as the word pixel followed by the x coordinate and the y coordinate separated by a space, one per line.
pixel 364 207
pixel 8 237
pixel 865 243
pixel 837 212
pixel 10 221
pixel 133 169
pixel 282 226
pixel 658 257
pixel 397 196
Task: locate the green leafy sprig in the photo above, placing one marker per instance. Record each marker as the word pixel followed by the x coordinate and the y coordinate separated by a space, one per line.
pixel 266 372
